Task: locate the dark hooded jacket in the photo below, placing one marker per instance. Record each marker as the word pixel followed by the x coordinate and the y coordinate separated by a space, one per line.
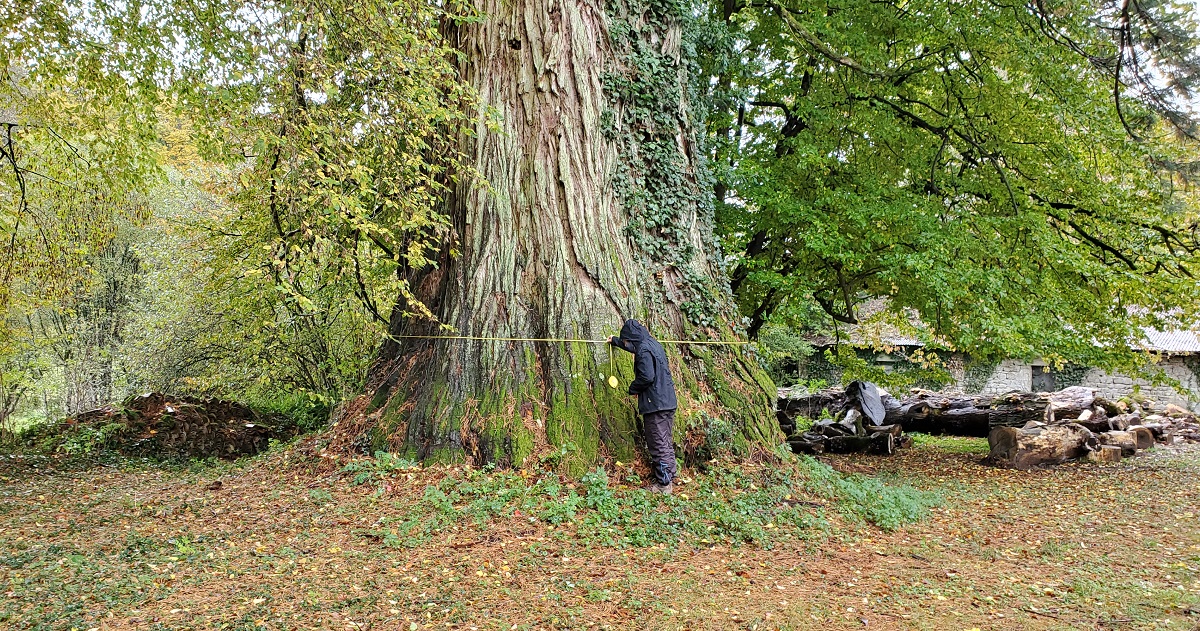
pixel 651 373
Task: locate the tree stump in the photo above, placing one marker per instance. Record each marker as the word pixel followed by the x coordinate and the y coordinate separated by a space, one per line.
pixel 1142 437
pixel 1125 440
pixel 1105 454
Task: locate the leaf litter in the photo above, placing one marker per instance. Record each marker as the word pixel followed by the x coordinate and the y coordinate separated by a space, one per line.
pixel 280 544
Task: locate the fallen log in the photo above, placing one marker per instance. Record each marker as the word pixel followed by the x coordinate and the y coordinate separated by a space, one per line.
pixel 958 421
pixel 807 443
pixel 962 415
pixel 895 429
pixel 979 415
pixel 878 443
pixel 1069 403
pixel 969 415
pixel 1038 444
pixel 1098 420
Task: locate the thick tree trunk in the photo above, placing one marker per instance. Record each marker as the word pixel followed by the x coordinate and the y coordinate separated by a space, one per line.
pixel 590 208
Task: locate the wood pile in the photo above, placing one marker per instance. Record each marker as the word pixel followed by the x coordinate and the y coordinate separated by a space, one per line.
pixel 1024 428
pixel 860 422
pixel 1103 431
pixel 159 425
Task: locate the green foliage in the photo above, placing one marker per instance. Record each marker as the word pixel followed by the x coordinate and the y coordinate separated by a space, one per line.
pixel 305 410
pixel 90 440
pixel 729 504
pixel 781 351
pixel 888 507
pixel 381 466
pixel 319 496
pixel 649 98
pixel 720 438
pixel 964 160
pixel 350 112
pixel 308 147
pixel 77 144
pixel 917 368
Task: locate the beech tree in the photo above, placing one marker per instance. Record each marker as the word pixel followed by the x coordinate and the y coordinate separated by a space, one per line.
pixel 1019 175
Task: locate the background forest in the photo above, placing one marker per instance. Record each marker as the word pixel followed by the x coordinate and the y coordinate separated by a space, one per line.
pixel 230 198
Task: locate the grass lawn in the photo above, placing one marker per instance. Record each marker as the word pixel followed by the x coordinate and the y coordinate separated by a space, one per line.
pixel 945 543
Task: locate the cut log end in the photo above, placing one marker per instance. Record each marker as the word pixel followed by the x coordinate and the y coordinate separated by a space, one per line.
pixel 1038 444
pixel 1105 454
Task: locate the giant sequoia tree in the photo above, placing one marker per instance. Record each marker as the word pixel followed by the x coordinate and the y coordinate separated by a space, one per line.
pixel 589 207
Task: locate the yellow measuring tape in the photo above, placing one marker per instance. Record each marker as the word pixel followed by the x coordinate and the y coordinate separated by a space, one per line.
pixel 612 379
pixel 551 339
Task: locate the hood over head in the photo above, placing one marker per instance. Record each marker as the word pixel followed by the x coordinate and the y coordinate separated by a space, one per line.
pixel 634 333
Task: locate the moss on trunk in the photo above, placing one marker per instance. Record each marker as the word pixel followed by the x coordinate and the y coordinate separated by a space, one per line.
pixel 595 209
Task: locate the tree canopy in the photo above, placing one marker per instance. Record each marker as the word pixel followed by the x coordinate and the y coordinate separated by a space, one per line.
pixel 1015 178
pixel 1020 176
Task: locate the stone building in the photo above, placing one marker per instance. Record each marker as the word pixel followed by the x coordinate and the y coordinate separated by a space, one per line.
pixel 1177 354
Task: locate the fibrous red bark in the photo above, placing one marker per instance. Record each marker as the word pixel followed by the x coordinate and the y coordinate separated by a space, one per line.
pixel 572 226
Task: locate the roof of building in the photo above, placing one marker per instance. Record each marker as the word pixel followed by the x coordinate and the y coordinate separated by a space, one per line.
pixel 877 332
pixel 1171 341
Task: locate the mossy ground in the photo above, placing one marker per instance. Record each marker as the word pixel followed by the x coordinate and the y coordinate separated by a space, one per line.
pixel 282 544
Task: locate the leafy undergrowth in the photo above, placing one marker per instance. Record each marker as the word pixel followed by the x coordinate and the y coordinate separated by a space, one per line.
pixel 386 545
pixel 758 504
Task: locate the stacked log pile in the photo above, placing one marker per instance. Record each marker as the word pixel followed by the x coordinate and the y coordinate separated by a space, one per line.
pixel 838 437
pixel 1102 431
pixel 860 422
pixel 1024 428
pixel 155 424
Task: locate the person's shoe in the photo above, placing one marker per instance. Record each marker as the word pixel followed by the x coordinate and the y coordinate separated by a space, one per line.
pixel 665 489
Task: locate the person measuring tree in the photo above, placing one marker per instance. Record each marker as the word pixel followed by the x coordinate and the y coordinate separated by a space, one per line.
pixel 655 391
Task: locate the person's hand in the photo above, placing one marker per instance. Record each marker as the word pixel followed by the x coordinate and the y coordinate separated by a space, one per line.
pixel 614 341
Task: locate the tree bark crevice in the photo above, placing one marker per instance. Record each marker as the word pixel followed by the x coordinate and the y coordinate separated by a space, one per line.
pixel 550 248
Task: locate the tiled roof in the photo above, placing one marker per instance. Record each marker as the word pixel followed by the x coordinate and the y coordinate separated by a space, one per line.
pixel 1155 341
pixel 1172 341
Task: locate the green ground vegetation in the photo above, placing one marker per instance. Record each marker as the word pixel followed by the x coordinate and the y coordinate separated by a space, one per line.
pixel 274 542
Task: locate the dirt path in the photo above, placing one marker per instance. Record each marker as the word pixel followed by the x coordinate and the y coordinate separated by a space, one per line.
pixel 278 547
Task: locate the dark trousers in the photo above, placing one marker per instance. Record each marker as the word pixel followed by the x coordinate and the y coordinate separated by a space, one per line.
pixel 658 426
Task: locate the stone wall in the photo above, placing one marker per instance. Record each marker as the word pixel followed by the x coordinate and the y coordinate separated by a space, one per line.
pixel 1014 374
pixel 1118 385
pixel 1010 374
